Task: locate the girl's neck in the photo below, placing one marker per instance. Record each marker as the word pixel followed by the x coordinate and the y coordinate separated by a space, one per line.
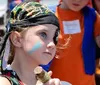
pixel 25 75
pixel 24 66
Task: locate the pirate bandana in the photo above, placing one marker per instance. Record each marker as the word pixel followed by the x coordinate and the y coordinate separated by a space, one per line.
pixel 31 14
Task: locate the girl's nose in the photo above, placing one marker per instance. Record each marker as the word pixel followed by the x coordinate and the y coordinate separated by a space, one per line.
pixel 51 45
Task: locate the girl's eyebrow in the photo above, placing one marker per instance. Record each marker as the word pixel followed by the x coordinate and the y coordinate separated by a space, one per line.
pixel 43 29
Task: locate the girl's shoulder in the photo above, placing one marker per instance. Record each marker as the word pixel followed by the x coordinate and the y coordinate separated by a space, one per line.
pixel 4 81
pixel 9 76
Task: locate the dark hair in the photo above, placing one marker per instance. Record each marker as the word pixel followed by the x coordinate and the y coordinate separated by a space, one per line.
pixel 94 5
pixel 2 32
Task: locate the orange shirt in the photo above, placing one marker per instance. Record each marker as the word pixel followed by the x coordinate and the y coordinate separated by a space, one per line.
pixel 69 64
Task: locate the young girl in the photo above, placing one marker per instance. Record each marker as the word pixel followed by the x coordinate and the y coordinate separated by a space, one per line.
pixel 32 31
pixel 80 26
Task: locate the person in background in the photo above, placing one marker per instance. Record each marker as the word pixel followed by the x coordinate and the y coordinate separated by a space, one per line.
pixel 96 6
pixel 79 28
pixel 13 3
pixel 32 31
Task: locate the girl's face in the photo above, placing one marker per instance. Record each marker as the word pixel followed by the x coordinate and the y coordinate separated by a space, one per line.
pixel 75 5
pixel 97 3
pixel 38 43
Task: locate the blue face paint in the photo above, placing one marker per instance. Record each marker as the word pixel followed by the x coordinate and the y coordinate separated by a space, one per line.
pixel 35 47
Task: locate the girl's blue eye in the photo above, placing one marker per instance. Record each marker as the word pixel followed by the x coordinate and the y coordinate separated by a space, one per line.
pixel 43 35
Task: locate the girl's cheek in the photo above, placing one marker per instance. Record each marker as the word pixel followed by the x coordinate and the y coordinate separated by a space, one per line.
pixel 35 47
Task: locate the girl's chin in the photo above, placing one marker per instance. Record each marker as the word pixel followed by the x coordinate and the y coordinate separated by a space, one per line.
pixel 45 63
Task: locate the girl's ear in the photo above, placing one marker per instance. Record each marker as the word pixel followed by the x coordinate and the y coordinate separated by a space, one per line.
pixel 15 38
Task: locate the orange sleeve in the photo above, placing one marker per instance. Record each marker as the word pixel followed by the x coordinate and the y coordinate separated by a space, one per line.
pixel 97 25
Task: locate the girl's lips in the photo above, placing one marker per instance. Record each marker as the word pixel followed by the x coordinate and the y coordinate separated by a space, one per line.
pixel 48 53
pixel 76 4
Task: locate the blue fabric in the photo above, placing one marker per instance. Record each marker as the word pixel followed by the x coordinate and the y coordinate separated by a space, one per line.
pixel 88 45
pixel 46 67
